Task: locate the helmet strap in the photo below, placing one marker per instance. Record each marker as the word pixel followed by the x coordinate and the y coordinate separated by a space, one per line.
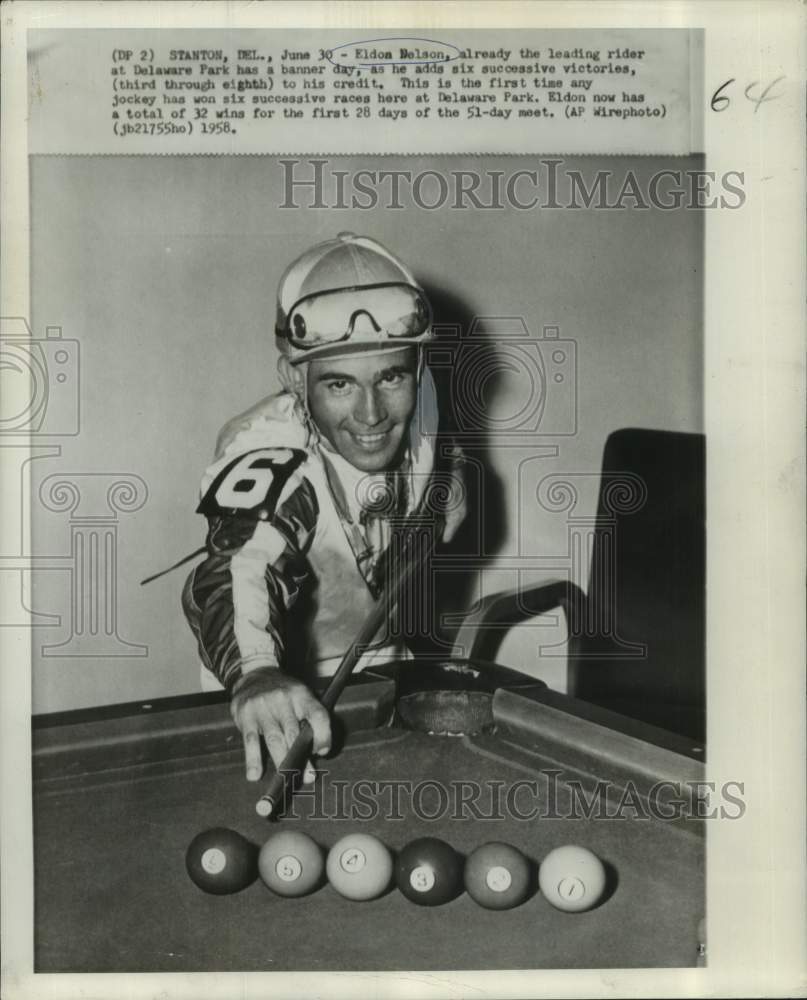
pixel 294 379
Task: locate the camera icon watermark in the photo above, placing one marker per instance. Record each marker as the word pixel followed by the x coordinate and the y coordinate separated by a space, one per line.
pixel 40 381
pixel 506 383
pixel 39 401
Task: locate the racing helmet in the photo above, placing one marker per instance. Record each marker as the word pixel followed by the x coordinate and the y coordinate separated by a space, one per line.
pixel 349 295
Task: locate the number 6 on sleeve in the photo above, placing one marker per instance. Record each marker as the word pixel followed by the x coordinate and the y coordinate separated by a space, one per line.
pixel 251 483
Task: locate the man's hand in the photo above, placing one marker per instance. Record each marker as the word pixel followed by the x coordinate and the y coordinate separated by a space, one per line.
pixel 269 702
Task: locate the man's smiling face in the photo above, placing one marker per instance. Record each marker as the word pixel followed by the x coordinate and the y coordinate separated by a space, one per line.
pixel 363 405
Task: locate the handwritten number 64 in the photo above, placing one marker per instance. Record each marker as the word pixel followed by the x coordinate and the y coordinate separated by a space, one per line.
pixel 721 101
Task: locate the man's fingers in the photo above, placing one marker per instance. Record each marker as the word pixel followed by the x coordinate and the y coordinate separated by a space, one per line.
pixel 307 707
pixel 276 745
pixel 287 720
pixel 320 726
pixel 252 754
pixel 309 773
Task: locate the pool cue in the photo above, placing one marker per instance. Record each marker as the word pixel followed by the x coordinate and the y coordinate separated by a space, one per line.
pixel 300 750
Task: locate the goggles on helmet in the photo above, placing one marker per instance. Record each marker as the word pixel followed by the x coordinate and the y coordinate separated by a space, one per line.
pixel 360 314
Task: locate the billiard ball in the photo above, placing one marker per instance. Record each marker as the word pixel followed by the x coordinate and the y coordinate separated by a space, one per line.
pixel 429 871
pixel 291 863
pixel 359 866
pixel 497 876
pixel 221 861
pixel 572 878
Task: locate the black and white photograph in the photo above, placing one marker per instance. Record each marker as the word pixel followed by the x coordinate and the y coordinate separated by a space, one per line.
pixel 367 434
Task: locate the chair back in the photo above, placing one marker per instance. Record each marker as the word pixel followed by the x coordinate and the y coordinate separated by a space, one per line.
pixel 639 646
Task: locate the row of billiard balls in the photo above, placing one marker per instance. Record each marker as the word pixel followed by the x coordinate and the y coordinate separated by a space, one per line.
pixel 427 871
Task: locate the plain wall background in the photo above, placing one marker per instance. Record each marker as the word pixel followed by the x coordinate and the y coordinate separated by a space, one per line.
pixel 165 269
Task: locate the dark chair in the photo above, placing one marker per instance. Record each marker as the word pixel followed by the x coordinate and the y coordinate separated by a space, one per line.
pixel 637 637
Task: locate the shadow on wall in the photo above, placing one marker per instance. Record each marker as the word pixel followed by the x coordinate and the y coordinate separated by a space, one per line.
pixel 485 491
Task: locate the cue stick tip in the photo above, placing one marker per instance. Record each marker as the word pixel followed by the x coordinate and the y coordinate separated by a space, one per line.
pixel 264 807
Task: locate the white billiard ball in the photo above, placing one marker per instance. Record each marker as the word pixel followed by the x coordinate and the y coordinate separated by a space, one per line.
pixel 572 878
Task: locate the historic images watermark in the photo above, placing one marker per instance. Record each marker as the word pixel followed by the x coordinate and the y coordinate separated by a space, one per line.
pixel 41 404
pixel 41 381
pixel 552 795
pixel 543 184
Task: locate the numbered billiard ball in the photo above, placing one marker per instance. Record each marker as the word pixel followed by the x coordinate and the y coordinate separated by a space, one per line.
pixel 221 861
pixel 497 876
pixel 572 878
pixel 359 866
pixel 429 871
pixel 291 863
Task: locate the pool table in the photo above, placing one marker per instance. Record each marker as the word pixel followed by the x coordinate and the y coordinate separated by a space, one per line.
pixel 466 751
